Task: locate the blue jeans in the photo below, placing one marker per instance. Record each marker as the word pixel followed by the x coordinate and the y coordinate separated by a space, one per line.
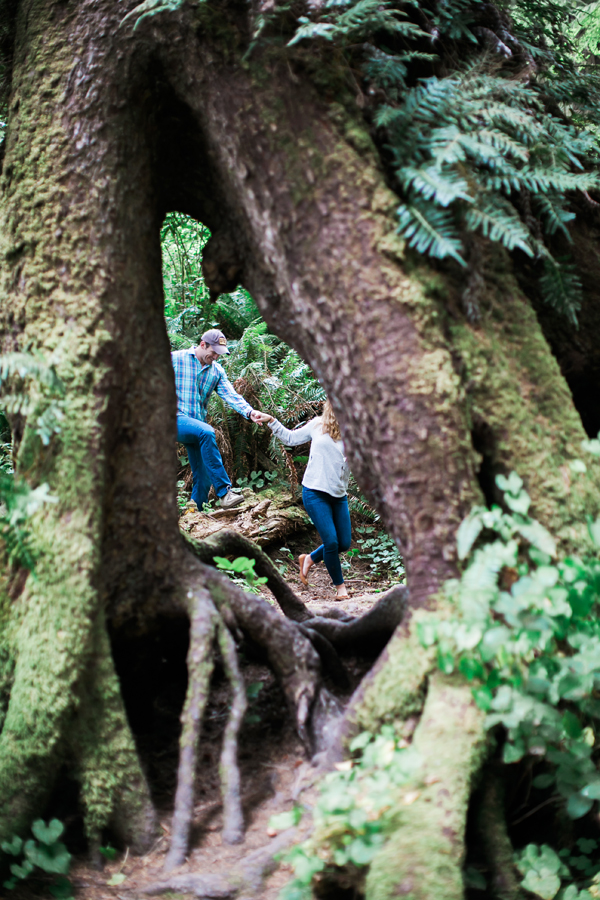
pixel 205 459
pixel 331 518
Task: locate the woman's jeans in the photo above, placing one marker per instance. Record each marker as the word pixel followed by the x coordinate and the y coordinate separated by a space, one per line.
pixel 205 459
pixel 331 518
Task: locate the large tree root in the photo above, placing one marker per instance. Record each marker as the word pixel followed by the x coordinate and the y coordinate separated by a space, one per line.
pixel 233 819
pixel 248 875
pixel 200 662
pixel 422 859
pixel 298 648
pixel 218 607
pixel 370 633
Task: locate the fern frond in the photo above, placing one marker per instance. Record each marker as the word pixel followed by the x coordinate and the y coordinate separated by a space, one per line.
pixel 499 224
pixel 552 213
pixel 430 229
pixel 431 184
pixel 561 286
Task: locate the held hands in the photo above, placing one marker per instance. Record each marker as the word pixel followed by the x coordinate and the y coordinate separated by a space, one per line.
pixel 260 418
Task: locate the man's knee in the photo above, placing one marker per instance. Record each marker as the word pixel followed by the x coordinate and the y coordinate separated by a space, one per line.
pixel 207 435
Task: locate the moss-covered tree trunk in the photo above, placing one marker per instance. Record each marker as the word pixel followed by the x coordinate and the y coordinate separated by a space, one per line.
pixel 108 129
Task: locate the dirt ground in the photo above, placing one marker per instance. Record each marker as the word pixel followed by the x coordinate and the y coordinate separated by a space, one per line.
pixel 276 775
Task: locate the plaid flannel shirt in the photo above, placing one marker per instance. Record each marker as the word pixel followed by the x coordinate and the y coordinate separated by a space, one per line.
pixel 195 382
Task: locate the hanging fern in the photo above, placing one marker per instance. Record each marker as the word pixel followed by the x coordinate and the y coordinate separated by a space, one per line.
pixel 466 147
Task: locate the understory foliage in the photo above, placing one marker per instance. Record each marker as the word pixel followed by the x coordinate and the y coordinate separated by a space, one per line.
pixel 496 146
pixel 29 386
pixel 522 625
pixel 45 852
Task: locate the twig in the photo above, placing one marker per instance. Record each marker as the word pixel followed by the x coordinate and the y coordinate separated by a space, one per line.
pixel 535 809
pixel 233 819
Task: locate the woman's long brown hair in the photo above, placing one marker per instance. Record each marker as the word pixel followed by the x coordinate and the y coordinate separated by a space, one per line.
pixel 330 423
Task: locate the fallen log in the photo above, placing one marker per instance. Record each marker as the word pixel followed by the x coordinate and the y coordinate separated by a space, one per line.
pixel 263 518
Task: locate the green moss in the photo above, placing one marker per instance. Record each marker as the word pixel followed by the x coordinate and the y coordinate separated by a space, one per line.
pixel 423 858
pixel 398 689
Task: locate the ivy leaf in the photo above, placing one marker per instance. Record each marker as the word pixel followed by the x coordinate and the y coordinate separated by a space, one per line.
pixel 21 871
pixel 518 503
pixel 592 447
pixel 47 834
pixel 14 847
pixel 578 806
pixel 537 535
pixel 468 532
pixel 116 879
pixel 594 530
pixel 545 884
pixel 593 792
pixel 511 485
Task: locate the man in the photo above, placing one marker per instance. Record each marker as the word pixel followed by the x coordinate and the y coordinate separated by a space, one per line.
pixel 197 375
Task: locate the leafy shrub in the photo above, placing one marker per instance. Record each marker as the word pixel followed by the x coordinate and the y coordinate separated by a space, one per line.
pixel 381 552
pixel 354 810
pixel 45 852
pixel 241 572
pixel 526 631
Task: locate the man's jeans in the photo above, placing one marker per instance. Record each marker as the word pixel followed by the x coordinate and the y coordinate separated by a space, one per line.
pixel 331 518
pixel 205 459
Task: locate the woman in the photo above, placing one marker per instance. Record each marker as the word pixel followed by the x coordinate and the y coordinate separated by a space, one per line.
pixel 324 488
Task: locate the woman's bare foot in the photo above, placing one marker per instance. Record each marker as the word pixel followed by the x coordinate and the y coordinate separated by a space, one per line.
pixel 305 563
pixel 341 592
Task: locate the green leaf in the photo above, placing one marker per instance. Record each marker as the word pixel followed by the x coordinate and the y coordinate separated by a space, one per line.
pixel 518 503
pixel 593 792
pixel 360 741
pixel 571 725
pixel 361 853
pixel 62 889
pixel 483 697
pixel 511 485
pixel 543 781
pixel 116 879
pixel 546 885
pixel 55 858
pixel 47 834
pixel 578 805
pixel 594 530
pixel 471 668
pixel 14 847
pixel 283 821
pixel 512 753
pixel 468 532
pixel 23 870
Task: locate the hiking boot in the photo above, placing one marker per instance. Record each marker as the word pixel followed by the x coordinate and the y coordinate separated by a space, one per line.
pixel 230 499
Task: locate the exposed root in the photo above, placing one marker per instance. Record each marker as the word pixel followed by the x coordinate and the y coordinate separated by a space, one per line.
pixel 370 633
pixel 329 657
pixel 230 543
pixel 233 819
pixel 200 663
pixel 291 654
pixel 497 845
pixel 248 876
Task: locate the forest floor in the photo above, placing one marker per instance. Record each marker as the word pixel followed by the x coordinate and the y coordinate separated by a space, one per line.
pixel 276 774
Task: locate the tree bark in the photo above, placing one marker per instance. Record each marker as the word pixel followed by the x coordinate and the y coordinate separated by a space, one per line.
pixel 110 127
